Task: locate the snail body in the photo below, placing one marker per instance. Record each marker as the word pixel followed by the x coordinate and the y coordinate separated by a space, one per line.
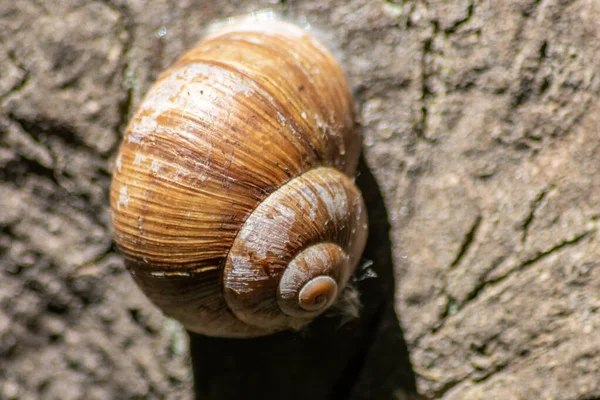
pixel 233 199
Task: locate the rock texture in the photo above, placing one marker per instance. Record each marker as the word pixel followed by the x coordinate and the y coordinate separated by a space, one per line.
pixel 480 123
pixel 495 202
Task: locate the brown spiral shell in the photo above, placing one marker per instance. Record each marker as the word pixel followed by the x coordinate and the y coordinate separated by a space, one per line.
pixel 233 199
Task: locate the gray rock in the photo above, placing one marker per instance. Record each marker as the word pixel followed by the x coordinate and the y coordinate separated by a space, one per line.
pixel 480 124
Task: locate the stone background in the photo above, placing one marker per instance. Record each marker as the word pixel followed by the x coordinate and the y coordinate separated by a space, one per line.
pixel 481 173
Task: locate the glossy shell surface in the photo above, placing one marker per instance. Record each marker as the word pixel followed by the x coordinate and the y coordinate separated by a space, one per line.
pixel 240 157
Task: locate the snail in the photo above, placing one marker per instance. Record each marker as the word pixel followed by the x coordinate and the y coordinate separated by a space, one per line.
pixel 233 199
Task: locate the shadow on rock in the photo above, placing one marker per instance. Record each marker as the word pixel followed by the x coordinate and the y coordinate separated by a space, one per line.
pixel 363 359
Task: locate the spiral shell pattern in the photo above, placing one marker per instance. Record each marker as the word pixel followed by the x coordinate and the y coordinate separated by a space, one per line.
pixel 232 195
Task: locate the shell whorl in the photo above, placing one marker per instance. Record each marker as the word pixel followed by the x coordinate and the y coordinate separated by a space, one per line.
pixel 238 161
pixel 312 227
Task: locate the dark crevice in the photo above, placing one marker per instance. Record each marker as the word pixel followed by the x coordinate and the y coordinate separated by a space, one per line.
pixel 480 288
pixel 559 246
pixel 450 309
pixel 41 127
pixel 535 204
pixel 523 93
pixel 140 320
pixel 453 306
pixel 543 52
pixel 451 303
pixel 438 394
pixel 16 170
pixel 467 241
pixel 545 85
pixel 490 373
pixel 24 79
pixel 409 23
pixel 57 307
pixel 459 23
pixel 426 91
pixel 528 74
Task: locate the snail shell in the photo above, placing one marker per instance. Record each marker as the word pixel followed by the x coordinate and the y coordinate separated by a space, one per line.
pixel 232 197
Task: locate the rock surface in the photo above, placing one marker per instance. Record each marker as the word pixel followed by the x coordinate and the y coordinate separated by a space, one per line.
pixel 481 123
